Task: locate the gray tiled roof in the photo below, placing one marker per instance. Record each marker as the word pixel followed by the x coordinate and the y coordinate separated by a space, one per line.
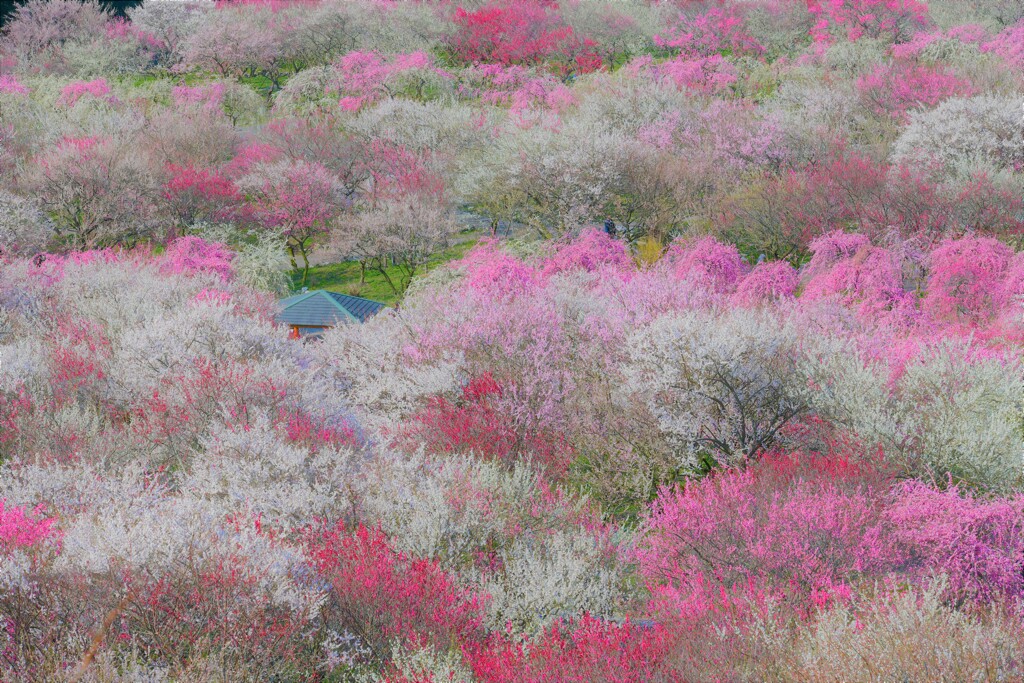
pixel 357 306
pixel 321 308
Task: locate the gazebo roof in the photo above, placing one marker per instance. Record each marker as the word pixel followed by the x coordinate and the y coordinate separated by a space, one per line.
pixel 320 308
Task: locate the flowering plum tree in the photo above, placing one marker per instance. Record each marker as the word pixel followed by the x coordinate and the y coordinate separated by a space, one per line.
pixel 894 19
pixel 23 227
pixel 239 43
pixel 40 31
pixel 362 77
pixel 400 231
pixel 379 594
pixel 520 33
pixel 893 90
pixel 961 136
pixel 724 398
pixel 169 24
pixel 98 192
pixel 302 199
pixel 195 195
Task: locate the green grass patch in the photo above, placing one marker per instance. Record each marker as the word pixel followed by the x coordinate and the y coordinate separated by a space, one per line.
pixel 144 79
pixel 344 277
pixel 263 85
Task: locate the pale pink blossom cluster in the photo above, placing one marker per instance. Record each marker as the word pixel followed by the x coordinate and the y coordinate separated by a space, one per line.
pixel 363 77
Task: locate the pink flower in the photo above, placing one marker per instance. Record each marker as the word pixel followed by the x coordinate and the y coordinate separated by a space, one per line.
pixel 1008 45
pixel 351 103
pixel 708 263
pixel 75 91
pixel 20 528
pixel 592 250
pixel 768 282
pixel 209 97
pixel 10 84
pixel 702 74
pixel 893 90
pixel 193 255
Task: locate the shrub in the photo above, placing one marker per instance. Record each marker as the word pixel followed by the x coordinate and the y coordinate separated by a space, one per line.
pixel 911 634
pixel 721 393
pixel 23 227
pixel 379 594
pixel 961 136
pixel 512 33
pixel 587 650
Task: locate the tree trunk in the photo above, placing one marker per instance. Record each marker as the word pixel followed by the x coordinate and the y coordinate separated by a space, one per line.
pixel 305 264
pixel 382 266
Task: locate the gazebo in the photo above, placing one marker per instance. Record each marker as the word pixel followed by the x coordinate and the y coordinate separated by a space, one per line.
pixel 310 313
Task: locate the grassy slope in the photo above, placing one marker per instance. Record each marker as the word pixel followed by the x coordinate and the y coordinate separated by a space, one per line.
pixel 344 277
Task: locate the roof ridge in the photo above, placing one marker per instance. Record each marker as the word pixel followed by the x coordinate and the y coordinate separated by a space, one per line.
pixel 337 304
pixel 301 296
pixel 352 296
